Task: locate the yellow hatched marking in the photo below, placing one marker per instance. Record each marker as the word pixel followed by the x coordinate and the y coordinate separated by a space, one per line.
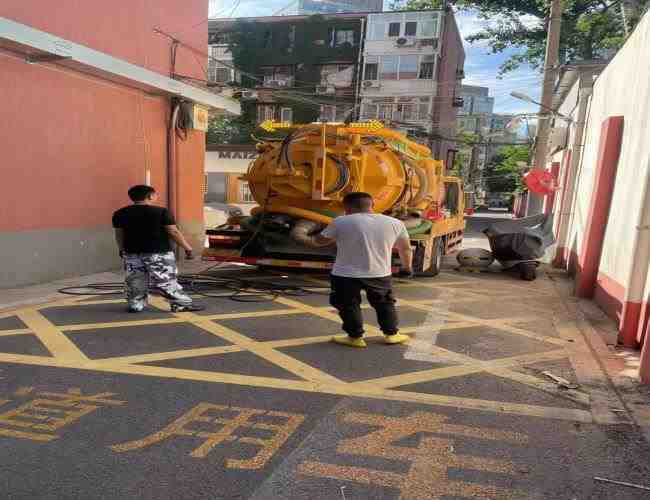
pixel 164 356
pixel 340 389
pixel 17 331
pixel 288 363
pixel 471 366
pixel 177 319
pixel 51 336
pixel 499 324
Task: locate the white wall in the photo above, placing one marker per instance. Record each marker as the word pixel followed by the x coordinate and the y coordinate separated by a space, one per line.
pixel 215 164
pixel 622 89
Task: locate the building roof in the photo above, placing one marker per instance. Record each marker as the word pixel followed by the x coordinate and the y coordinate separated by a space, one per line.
pixel 569 74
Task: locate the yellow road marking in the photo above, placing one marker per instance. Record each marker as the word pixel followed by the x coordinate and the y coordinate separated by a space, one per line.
pixel 474 366
pixel 499 324
pixel 341 389
pixel 164 356
pixel 176 319
pixel 51 336
pixel 280 359
pixel 17 331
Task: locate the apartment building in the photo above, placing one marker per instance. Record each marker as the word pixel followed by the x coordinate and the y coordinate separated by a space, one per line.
pixel 299 68
pixel 413 64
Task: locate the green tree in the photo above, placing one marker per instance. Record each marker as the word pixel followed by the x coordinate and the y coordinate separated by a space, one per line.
pixel 230 130
pixel 589 27
pixel 503 174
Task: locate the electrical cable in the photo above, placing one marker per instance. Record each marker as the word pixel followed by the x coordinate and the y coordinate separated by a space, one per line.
pixel 212 284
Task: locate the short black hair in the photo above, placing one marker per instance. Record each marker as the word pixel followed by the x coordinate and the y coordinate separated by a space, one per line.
pixel 358 201
pixel 141 192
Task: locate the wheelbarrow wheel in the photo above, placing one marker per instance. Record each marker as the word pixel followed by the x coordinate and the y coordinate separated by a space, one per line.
pixel 528 271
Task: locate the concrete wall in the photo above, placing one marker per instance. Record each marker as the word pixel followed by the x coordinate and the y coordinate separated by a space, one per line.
pixel 72 144
pixel 622 90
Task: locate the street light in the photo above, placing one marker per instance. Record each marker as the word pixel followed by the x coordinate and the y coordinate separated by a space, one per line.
pixel 526 98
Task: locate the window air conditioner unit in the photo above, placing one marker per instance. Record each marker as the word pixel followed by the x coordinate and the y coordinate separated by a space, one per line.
pixel 370 84
pixel 248 94
pixel 458 102
pixel 324 89
pixel 405 42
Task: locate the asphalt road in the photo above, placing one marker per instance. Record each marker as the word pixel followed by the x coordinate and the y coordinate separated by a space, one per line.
pixel 251 400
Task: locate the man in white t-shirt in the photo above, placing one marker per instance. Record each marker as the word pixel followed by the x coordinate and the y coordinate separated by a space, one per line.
pixel 365 243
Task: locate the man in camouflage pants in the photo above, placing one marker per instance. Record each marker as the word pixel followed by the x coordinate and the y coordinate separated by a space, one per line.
pixel 142 233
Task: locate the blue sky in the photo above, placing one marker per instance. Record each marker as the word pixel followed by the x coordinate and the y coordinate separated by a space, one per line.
pixel 481 67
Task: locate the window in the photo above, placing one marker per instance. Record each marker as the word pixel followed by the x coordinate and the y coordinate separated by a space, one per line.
pixel 429 27
pixel 368 111
pixel 334 74
pixel 385 111
pixel 423 110
pixel 426 68
pixel 222 75
pixel 408 67
pixel 393 29
pixel 327 113
pixel 344 36
pixel 388 67
pixel 268 73
pixel 410 28
pixel 371 71
pixel 292 36
pixel 409 112
pixel 268 39
pixel 278 74
pixel 245 195
pixel 286 115
pixel 265 112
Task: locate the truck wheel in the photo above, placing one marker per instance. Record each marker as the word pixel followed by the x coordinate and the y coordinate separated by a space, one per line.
pixel 418 259
pixel 528 271
pixel 437 254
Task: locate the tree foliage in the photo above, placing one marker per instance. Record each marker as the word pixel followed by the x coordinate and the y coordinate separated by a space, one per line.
pixel 503 174
pixel 590 28
pixel 230 130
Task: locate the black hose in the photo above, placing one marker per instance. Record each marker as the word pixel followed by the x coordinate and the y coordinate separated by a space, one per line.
pixel 211 285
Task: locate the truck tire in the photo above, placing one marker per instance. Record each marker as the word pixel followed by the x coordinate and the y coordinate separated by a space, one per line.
pixel 528 271
pixel 437 253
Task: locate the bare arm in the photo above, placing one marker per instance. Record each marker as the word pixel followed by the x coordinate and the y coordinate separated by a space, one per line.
pixel 176 235
pixel 119 239
pixel 319 240
pixel 405 251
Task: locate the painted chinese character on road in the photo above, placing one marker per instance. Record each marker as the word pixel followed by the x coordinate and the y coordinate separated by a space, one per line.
pixel 428 462
pixel 229 423
pixel 40 418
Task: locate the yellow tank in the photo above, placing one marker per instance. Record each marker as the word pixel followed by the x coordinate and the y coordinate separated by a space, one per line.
pixel 307 174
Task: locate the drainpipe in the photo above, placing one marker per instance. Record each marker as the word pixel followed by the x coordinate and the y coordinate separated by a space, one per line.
pixel 172 178
pixel 566 204
pixel 356 110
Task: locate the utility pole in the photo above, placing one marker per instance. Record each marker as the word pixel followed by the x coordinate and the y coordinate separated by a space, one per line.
pixel 535 202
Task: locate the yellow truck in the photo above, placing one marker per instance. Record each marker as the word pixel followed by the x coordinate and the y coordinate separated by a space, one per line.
pixel 299 182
